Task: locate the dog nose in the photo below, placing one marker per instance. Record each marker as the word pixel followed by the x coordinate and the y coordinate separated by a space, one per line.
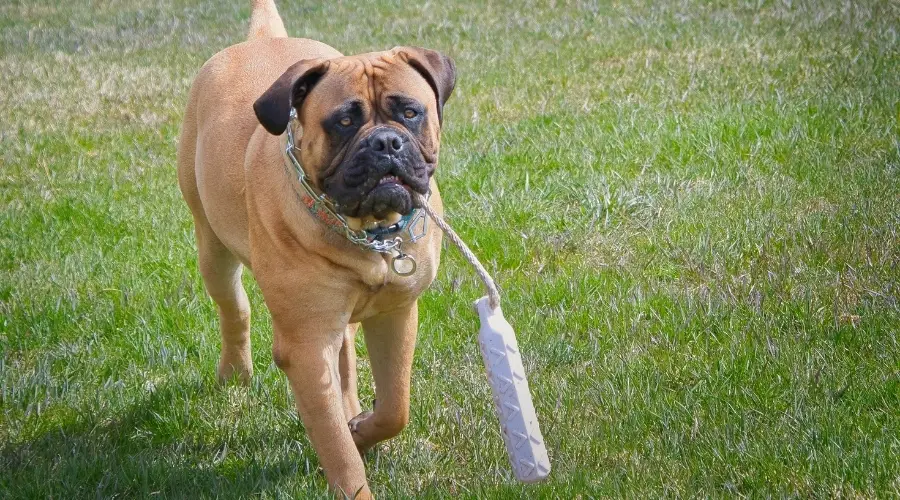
pixel 386 141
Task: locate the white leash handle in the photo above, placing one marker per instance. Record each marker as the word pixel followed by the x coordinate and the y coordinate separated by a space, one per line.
pixel 505 372
pixel 512 398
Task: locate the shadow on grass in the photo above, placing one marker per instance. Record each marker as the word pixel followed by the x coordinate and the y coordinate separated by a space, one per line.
pixel 142 451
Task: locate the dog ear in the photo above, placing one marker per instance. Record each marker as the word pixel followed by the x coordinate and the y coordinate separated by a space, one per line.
pixel 273 108
pixel 437 69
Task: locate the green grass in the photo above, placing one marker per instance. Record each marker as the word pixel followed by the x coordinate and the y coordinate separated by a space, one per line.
pixel 692 207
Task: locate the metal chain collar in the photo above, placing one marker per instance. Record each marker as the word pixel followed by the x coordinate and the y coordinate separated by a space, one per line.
pixel 416 224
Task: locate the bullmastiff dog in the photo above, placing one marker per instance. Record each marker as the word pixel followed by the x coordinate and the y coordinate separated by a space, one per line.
pixel 299 163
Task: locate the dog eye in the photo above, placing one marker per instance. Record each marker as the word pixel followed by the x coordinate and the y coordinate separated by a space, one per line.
pixel 410 113
pixel 346 121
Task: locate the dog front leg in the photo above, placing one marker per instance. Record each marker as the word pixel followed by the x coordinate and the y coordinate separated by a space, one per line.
pixel 309 358
pixel 347 368
pixel 391 341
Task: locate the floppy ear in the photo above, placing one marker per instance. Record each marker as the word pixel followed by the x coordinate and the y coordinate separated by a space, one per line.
pixel 273 108
pixel 437 69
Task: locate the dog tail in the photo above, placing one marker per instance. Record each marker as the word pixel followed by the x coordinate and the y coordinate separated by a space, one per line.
pixel 265 21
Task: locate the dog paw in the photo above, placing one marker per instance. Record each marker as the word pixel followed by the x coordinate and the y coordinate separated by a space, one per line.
pixel 232 370
pixel 355 425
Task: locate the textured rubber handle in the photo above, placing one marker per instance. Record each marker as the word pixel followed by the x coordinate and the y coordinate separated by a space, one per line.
pixel 512 399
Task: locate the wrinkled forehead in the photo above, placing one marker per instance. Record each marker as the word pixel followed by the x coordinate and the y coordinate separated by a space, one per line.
pixel 371 78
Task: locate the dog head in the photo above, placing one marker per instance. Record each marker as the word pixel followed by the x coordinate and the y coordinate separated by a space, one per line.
pixel 371 125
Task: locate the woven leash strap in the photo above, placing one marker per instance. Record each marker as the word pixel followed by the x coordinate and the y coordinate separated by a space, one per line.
pixel 493 294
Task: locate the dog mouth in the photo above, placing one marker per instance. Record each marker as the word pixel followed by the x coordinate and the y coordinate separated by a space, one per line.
pixel 390 194
pixel 391 179
pixel 377 197
pixel 375 184
pixel 383 206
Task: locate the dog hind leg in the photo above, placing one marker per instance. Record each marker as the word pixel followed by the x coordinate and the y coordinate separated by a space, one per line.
pixel 221 272
pixel 220 269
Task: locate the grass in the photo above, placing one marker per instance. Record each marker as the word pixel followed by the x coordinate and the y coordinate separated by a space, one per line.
pixel 692 208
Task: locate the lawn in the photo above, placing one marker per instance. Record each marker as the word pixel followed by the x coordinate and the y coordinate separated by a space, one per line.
pixel 692 208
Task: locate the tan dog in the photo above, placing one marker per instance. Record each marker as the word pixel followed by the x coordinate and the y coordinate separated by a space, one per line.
pixel 368 132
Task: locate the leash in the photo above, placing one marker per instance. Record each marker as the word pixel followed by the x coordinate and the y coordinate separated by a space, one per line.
pixel 486 279
pixel 506 374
